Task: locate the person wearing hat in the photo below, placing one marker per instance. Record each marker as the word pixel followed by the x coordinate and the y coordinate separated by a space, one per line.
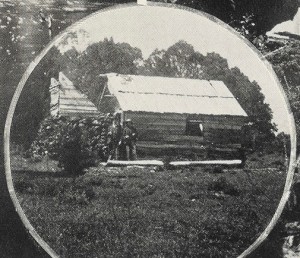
pixel 129 138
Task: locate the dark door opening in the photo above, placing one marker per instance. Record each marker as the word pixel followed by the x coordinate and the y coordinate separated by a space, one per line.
pixel 194 128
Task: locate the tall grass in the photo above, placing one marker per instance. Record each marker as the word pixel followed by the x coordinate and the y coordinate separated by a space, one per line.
pixel 136 212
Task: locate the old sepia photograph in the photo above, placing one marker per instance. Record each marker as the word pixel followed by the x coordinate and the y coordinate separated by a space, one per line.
pixel 152 129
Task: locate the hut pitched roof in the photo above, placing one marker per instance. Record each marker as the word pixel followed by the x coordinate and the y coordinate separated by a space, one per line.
pixel 173 95
pixel 66 100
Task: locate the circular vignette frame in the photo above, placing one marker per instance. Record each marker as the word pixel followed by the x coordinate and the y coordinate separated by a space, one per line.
pixel 292 164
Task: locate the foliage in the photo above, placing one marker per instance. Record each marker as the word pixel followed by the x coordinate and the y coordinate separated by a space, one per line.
pixel 48 139
pixel 105 56
pixel 33 104
pixel 286 63
pixel 247 27
pixel 282 143
pixel 267 13
pixel 181 60
pixel 71 156
pixel 251 18
pixel 75 143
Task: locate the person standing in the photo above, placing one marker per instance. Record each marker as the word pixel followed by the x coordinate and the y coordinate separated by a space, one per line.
pixel 129 138
pixel 134 136
pixel 114 139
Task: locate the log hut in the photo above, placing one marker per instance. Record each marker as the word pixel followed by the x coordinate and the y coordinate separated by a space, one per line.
pixel 175 112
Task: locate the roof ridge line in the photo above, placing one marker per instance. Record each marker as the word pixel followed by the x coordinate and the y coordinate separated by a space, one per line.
pixel 174 94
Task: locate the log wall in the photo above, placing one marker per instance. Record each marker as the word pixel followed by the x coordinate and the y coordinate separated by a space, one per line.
pixel 165 127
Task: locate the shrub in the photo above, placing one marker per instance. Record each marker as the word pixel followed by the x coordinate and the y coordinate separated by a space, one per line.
pixel 70 151
pixel 76 143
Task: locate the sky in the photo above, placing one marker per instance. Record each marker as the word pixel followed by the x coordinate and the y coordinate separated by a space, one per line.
pixel 151 27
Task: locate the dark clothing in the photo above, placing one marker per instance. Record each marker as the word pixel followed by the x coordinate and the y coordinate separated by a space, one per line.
pixel 113 140
pixel 129 138
pixel 134 134
pixel 127 135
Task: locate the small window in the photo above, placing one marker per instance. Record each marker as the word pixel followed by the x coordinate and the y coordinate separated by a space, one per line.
pixel 194 128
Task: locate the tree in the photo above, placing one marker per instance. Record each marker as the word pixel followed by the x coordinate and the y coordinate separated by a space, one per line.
pixel 33 105
pixel 102 57
pixel 251 18
pixel 286 63
pixel 77 143
pixel 181 60
pixel 70 155
pixel 266 13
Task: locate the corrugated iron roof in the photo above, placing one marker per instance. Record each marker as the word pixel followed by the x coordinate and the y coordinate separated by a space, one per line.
pixel 173 95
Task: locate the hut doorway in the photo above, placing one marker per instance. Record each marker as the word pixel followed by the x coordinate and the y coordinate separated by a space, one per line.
pixel 194 128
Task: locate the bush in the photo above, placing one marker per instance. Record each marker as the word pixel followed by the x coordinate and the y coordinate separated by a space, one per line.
pixel 70 154
pixel 76 143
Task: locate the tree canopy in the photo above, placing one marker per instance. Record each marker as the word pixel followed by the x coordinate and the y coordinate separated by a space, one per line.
pixel 33 104
pixel 179 60
pixel 106 56
pixel 286 63
pixel 267 13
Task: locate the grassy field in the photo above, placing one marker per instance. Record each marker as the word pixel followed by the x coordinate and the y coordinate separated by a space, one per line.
pixel 147 212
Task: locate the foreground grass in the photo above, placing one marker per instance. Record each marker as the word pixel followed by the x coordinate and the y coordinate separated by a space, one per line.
pixel 139 212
